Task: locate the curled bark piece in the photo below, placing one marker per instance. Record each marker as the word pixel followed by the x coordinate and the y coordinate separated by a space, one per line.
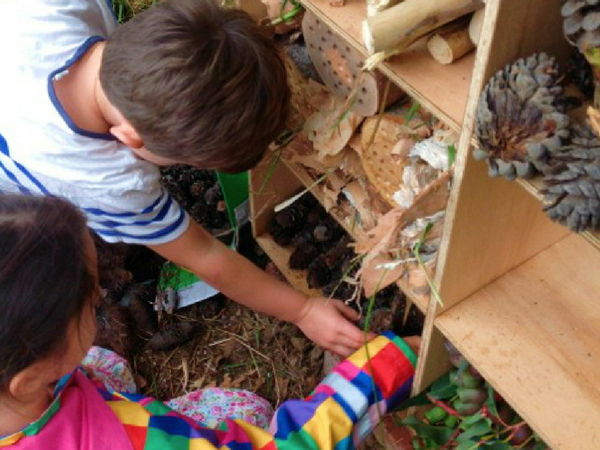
pixel 403 24
pixel 450 42
pixel 520 120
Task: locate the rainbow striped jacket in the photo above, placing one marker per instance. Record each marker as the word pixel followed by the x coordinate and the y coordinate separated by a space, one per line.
pixel 342 410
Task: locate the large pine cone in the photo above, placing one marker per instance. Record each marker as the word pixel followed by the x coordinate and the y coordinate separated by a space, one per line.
pixel 572 193
pixel 520 118
pixel 582 23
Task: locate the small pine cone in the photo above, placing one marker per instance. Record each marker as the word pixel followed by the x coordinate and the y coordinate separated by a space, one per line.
pixel 572 192
pixel 319 273
pixel 582 23
pixel 292 216
pixel 301 257
pixel 520 118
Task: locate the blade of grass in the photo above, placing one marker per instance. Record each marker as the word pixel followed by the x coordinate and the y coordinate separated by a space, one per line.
pixel 414 109
pixel 281 206
pixel 451 155
pixel 417 253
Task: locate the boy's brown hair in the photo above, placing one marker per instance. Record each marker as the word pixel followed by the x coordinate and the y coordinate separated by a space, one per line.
pixel 199 83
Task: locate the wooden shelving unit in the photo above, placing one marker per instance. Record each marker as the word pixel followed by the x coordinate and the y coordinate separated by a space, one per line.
pixel 442 90
pixel 520 292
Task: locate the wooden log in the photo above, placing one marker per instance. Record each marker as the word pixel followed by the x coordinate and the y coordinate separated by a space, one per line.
pixel 476 26
pixel 450 42
pixel 401 25
pixel 376 6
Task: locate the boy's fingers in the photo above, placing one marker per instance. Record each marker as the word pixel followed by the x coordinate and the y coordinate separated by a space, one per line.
pixel 347 312
pixel 342 350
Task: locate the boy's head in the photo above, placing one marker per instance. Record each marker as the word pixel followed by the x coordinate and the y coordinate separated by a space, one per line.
pixel 199 83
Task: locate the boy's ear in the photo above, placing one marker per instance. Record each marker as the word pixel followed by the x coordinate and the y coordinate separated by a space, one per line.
pixel 125 133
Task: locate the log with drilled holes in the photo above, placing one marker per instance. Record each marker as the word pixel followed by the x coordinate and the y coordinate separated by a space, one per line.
pixel 339 66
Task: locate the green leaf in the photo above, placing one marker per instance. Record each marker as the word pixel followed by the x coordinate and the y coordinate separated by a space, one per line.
pixel 468 445
pixel 438 435
pixel 497 445
pixel 490 402
pixel 471 420
pixel 479 428
pixel 451 155
pixel 443 389
pixel 414 109
pixel 418 400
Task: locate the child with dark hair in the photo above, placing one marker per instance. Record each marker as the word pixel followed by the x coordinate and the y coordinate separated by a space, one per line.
pixel 90 110
pixel 48 290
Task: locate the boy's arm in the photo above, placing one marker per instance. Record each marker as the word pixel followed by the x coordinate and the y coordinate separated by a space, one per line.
pixel 325 321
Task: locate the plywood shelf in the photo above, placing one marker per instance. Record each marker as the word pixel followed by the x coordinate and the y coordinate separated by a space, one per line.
pixel 420 300
pixel 442 90
pixel 534 187
pixel 280 256
pixel 534 334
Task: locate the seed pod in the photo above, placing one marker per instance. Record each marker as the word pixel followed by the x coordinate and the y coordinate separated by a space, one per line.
pixel 520 435
pixel 572 183
pixel 467 380
pixel 520 118
pixel 435 415
pixel 465 409
pixel 471 395
pixel 451 421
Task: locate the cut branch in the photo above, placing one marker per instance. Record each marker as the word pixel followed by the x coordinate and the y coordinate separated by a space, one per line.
pixel 401 25
pixel 450 42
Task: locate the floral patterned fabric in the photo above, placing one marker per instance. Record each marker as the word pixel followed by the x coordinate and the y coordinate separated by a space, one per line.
pixel 208 406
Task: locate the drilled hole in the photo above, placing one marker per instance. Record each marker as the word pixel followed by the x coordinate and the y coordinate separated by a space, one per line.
pixel 360 101
pixel 323 39
pixel 364 90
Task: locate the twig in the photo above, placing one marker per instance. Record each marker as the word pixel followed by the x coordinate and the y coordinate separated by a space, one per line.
pixel 443 405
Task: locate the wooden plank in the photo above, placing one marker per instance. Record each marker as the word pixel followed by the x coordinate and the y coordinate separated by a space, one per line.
pixel 280 256
pixel 271 183
pixel 442 90
pixel 535 336
pixel 534 186
pixel 491 225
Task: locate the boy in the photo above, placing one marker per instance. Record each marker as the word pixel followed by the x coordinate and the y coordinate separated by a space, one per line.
pixel 88 111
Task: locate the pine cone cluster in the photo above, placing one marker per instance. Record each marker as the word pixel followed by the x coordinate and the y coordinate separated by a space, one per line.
pixel 520 117
pixel 572 193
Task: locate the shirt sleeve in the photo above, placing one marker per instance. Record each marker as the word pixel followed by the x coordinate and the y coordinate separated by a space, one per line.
pixel 342 410
pixel 138 217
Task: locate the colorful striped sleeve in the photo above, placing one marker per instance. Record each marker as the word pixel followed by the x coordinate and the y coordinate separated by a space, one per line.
pixel 341 411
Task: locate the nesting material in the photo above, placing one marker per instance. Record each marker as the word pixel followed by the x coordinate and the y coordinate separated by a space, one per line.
pixel 340 67
pixel 520 118
pixel 384 156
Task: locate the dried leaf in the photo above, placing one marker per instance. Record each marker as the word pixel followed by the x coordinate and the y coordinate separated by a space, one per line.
pixel 328 133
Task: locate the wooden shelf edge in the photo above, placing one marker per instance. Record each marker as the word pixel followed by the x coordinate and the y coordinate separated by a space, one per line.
pixel 421 301
pixel 534 334
pixel 534 187
pixel 280 256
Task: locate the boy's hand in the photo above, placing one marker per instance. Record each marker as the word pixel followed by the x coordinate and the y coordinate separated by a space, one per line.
pixel 328 323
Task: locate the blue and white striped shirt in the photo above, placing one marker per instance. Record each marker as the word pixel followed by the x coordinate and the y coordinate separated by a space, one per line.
pixel 43 152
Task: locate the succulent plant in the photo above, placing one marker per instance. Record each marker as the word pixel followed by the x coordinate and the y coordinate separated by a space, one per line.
pixel 520 117
pixel 572 192
pixel 582 29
